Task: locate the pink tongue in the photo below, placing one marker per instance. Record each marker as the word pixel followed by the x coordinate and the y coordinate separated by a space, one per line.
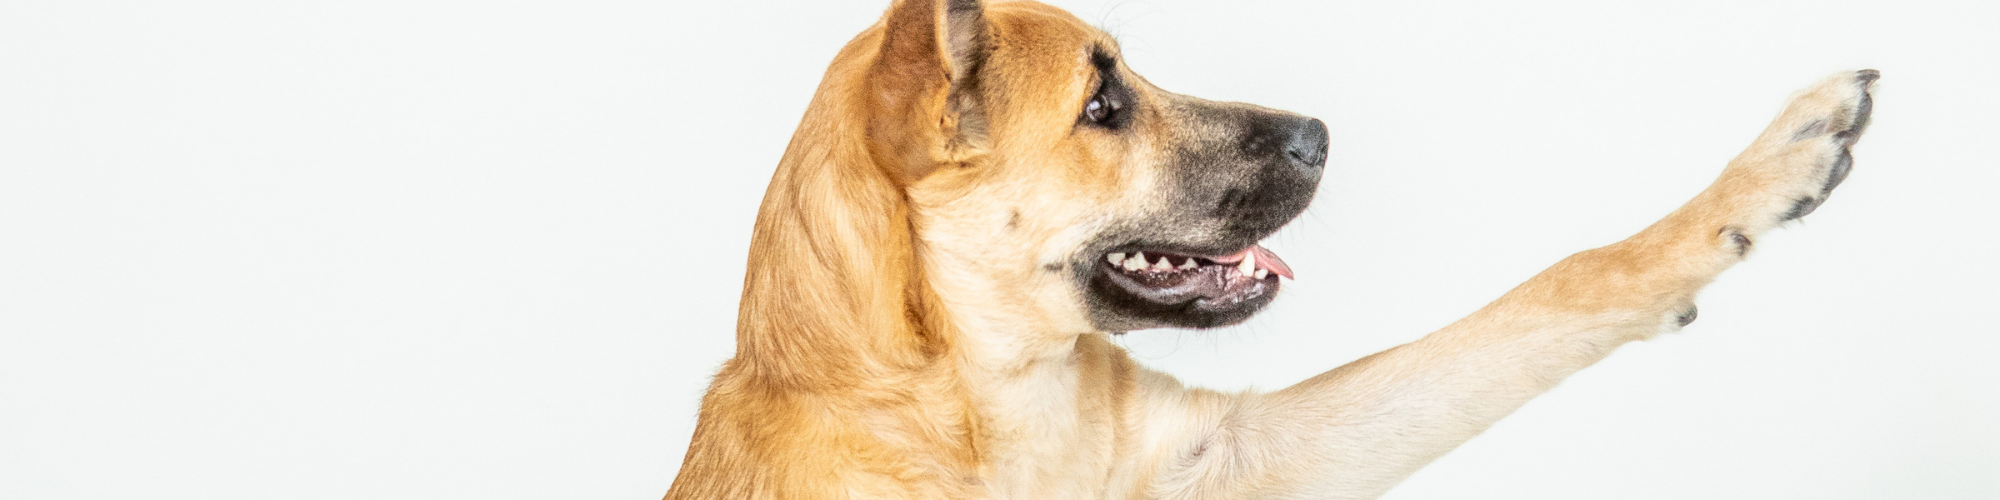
pixel 1265 260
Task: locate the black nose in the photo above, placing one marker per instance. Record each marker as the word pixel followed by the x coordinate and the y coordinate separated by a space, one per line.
pixel 1307 146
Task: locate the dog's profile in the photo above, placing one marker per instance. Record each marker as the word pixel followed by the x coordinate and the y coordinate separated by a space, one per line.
pixel 979 195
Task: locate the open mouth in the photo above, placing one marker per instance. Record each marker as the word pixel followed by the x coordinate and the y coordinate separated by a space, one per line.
pixel 1197 283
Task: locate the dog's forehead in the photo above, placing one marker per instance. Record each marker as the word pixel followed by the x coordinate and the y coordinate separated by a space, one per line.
pixel 1044 16
pixel 1035 37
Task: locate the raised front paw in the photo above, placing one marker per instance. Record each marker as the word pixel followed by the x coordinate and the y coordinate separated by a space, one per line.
pixel 1836 128
pixel 1786 173
pixel 1793 167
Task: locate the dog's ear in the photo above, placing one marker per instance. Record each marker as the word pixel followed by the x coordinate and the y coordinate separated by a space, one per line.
pixel 924 109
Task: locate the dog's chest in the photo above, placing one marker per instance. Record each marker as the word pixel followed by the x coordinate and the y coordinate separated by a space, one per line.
pixel 1049 432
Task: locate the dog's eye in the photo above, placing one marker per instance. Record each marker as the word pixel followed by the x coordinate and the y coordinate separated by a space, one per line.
pixel 1101 108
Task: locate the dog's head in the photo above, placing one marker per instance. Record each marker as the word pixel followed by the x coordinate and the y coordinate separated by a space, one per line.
pixel 1042 179
pixel 1066 183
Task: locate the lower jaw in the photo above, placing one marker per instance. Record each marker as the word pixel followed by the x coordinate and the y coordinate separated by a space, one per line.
pixel 1205 286
pixel 1124 303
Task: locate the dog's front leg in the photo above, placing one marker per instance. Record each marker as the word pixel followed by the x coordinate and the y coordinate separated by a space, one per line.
pixel 1357 430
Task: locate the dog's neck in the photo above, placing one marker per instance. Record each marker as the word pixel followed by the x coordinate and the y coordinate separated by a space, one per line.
pixel 994 326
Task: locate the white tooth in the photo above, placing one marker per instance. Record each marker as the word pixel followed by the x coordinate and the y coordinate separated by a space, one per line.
pixel 1248 265
pixel 1262 273
pixel 1116 258
pixel 1190 264
pixel 1163 265
pixel 1137 262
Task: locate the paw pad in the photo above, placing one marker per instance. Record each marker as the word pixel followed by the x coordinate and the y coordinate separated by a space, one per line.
pixel 1737 239
pixel 1687 317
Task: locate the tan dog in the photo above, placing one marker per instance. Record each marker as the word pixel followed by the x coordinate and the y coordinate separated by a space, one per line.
pixel 979 196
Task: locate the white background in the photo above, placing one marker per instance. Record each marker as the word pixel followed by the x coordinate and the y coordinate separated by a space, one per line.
pixel 431 249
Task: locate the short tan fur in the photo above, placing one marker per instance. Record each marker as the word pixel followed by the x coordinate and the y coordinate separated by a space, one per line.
pixel 928 303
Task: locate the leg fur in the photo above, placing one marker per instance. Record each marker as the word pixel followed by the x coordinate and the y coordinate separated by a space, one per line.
pixel 1357 430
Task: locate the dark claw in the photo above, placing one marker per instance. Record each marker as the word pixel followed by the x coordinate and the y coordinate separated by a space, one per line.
pixel 1688 316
